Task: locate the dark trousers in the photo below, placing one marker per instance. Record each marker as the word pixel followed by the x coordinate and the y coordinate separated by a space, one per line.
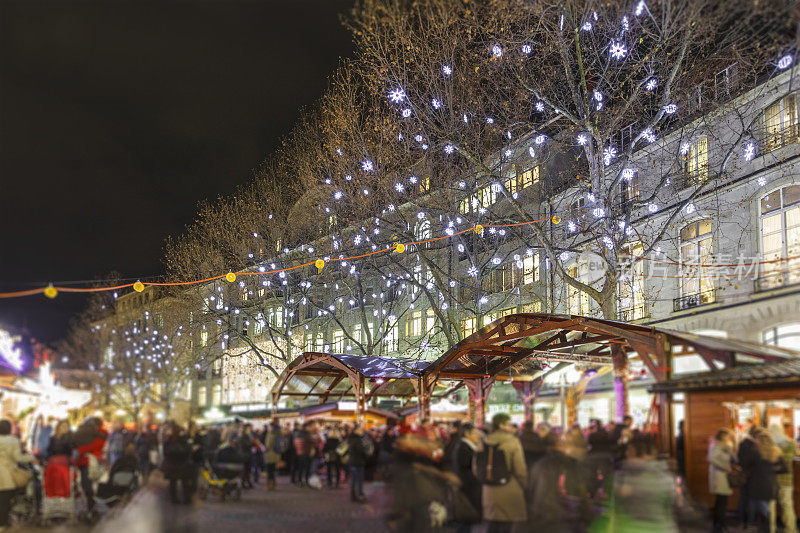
pixel 356 481
pixel 303 468
pixel 718 513
pixel 271 471
pixel 333 471
pixel 88 487
pixel 247 473
pixel 5 506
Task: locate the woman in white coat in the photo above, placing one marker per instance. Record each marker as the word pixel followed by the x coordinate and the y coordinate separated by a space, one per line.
pixel 721 461
pixel 10 455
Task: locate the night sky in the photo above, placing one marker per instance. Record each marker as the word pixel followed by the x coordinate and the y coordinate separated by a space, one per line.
pixel 116 118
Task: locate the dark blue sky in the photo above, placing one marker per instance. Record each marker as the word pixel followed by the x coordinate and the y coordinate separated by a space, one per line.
pixel 116 118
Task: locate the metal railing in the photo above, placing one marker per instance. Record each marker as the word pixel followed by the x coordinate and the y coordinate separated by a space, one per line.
pixel 689 301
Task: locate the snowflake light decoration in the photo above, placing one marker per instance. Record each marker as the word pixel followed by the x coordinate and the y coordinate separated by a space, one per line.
pixel 618 50
pixel 367 165
pixel 651 84
pixel 436 103
pixel 526 49
pixel 684 148
pixel 785 62
pixel 653 207
pixel 489 120
pixel 762 181
pixel 497 51
pixel 749 151
pixel 628 174
pixel 447 70
pixel 583 139
pixel 531 152
pixel 496 260
pixel 465 118
pixel 587 26
pixel 564 257
pixel 626 26
pixel 397 95
pixel 670 109
pixel 472 271
pixel 399 187
pixel 448 149
pixel 609 242
pixel 406 113
pixel 412 180
pixel 539 139
pixel 337 195
pixel 540 107
pixel 690 208
pixel 649 135
pixel 609 154
pixel 640 8
pixel 572 227
pixel 418 138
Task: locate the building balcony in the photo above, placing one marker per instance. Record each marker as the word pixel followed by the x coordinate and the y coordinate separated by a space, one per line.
pixel 689 301
pixel 777 279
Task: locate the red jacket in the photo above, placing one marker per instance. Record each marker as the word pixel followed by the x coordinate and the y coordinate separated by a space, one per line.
pixel 95 448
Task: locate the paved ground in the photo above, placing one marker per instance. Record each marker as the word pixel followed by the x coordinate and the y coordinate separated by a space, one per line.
pixel 289 509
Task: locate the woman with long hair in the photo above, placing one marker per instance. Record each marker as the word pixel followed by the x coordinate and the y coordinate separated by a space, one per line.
pixel 763 484
pixel 721 461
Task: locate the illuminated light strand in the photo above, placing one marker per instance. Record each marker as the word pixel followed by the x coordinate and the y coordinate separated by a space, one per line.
pixel 40 290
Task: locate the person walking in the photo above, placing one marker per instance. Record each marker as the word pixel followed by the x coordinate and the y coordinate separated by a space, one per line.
pixel 302 448
pixel 359 449
pixel 721 462
pixel 177 463
pixel 90 439
pixel 763 483
pixel 503 505
pixel 276 443
pixel 244 441
pixel 747 456
pixel 332 461
pixel 785 481
pixel 10 455
pixel 464 465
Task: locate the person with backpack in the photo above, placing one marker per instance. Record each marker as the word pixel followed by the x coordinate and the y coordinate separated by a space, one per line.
pixel 503 472
pixel 276 444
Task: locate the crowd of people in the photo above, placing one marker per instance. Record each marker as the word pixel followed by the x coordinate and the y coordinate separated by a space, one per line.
pixel 760 468
pixel 598 478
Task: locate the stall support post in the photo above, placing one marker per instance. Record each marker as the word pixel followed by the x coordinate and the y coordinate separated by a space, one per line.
pixel 619 358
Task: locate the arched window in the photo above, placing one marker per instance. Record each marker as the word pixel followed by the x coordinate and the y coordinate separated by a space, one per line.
pixel 422 232
pixel 785 336
pixel 779 125
pixel 780 238
pixel 696 251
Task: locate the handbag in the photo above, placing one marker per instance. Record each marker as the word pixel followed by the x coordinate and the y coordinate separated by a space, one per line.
pixel 20 477
pixel 736 478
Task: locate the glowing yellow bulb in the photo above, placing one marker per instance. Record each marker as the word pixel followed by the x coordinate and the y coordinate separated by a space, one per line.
pixel 50 291
pixel 138 286
pixel 400 248
pixel 230 277
pixel 478 229
pixel 555 219
pixel 320 264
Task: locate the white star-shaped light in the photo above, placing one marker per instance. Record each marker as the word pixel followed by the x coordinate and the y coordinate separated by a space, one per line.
pixel 447 70
pixel 670 109
pixel 609 154
pixel 436 103
pixel 448 149
pixel 651 84
pixel 367 165
pixel 618 50
pixel 582 139
pixel 587 26
pixel 399 187
pixel 749 151
pixel 497 51
pixel 406 112
pixel 539 139
pixel 531 152
pixel 397 95
pixel 785 62
pixel 526 49
pixel 418 138
pixel 472 271
pixel 540 107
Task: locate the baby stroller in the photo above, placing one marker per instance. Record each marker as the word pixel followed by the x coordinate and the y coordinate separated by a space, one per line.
pixel 25 500
pixel 222 477
pixel 58 498
pixel 122 483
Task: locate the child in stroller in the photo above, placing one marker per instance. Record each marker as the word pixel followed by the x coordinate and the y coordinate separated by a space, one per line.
pixel 122 481
pixel 222 476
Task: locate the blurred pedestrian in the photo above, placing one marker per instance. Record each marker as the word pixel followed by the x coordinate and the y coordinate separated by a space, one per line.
pixel 504 504
pixel 721 462
pixel 785 481
pixel 10 455
pixel 464 465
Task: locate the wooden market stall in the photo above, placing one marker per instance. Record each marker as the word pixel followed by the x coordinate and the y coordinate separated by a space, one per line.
pixel 766 393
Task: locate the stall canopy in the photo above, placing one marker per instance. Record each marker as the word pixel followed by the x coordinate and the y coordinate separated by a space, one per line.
pixel 784 373
pixel 334 376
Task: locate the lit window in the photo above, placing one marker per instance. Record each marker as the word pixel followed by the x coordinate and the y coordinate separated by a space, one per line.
pixel 468 326
pixel 424 184
pixel 785 336
pixel 780 238
pixel 202 398
pixel 488 196
pixel 338 341
pixel 511 185
pixel 631 285
pixel 204 338
pixel 216 395
pixel 696 162
pixel 697 287
pixel 430 321
pixel 779 123
pixel 392 338
pixel 530 269
pixel 532 307
pixel 529 177
pixel 414 324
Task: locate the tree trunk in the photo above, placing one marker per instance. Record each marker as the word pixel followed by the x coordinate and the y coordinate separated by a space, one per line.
pixel 620 361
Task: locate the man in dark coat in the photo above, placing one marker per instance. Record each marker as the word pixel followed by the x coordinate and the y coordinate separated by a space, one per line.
pixel 464 457
pixel 359 449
